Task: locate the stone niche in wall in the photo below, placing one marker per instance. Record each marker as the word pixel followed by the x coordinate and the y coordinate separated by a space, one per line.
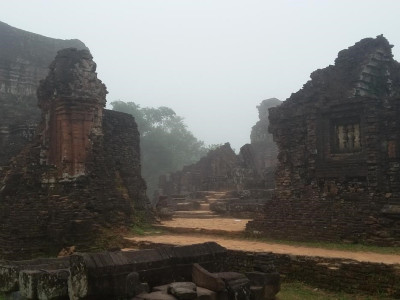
pixel 338 172
pixel 341 150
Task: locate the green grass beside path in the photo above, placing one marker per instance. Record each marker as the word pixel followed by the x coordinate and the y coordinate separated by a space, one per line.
pixel 300 291
pixel 332 246
pixel 143 229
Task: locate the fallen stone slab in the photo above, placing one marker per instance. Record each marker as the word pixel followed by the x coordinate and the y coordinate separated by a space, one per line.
pixel 202 293
pixel 105 274
pixel 237 285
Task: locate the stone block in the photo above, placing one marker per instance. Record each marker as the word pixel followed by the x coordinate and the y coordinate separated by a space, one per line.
pixel 9 270
pixel 261 278
pixel 205 294
pixel 257 292
pixel 155 296
pixel 183 290
pixel 107 273
pixel 208 254
pixel 42 284
pixel 202 278
pixel 134 286
pixel 237 285
pixel 28 282
pixel 8 277
pixel 53 285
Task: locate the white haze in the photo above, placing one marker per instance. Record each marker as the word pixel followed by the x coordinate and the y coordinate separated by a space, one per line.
pixel 212 61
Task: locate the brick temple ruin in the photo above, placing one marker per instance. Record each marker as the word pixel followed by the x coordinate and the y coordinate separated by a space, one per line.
pixel 81 174
pixel 24 61
pixel 223 170
pixel 335 167
pixel 338 175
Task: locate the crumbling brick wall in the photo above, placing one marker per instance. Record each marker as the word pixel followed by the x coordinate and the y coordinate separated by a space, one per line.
pixel 24 61
pixel 264 148
pixel 214 172
pixel 80 175
pixel 338 175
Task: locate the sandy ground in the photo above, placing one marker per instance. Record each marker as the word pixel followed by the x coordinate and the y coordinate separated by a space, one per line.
pixel 191 235
pixel 226 224
pixel 245 245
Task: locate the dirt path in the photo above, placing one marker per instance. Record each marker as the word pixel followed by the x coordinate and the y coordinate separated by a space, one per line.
pixel 245 245
pixel 190 229
pixel 229 225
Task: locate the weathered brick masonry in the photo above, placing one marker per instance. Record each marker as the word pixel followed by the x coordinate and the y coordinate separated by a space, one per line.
pixel 262 145
pixel 80 175
pixel 24 61
pixel 338 176
pixel 214 172
pixel 222 170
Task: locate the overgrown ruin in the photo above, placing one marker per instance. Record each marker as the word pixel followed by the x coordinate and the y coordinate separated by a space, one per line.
pixel 81 174
pixel 338 176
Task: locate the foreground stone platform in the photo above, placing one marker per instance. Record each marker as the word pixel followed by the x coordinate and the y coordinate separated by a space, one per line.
pixel 141 274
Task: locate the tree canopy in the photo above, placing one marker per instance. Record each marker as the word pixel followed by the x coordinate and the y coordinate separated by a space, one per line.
pixel 166 143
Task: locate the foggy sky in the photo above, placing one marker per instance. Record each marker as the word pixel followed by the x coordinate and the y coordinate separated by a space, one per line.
pixel 212 61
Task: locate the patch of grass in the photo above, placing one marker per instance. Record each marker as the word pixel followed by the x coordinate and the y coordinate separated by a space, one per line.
pixel 332 246
pixel 145 229
pixel 301 291
pixel 2 297
pixel 141 225
pixel 105 240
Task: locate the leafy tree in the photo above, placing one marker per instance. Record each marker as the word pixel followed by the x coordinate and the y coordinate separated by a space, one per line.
pixel 166 143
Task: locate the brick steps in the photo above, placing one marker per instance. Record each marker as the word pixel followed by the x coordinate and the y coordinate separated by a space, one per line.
pixel 198 214
pixel 190 230
pixel 202 220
